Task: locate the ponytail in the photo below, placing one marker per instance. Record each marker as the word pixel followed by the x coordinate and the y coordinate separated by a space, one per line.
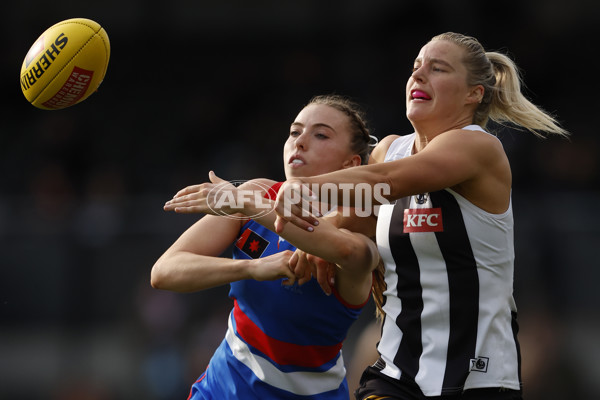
pixel 502 100
pixel 508 104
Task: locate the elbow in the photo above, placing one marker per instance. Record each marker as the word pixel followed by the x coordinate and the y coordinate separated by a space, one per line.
pixel 158 277
pixel 357 253
pixel 347 251
pixel 392 190
pixel 344 255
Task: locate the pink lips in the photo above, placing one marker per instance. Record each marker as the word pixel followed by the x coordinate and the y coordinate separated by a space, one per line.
pixel 296 161
pixel 419 94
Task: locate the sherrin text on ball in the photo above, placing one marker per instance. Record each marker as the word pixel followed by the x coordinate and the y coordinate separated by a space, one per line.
pixel 66 64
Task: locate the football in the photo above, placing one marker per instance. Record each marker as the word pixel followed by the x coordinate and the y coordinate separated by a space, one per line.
pixel 66 64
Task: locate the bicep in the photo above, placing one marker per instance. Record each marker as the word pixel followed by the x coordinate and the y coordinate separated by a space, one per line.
pixel 210 236
pixel 447 161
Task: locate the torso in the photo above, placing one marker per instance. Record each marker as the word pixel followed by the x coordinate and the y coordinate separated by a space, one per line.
pixel 450 317
pixel 280 336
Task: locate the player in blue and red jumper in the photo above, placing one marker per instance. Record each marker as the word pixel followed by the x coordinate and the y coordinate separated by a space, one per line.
pixel 284 339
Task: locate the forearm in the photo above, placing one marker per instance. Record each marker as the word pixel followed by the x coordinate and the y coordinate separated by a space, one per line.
pixel 188 272
pixel 326 241
pixel 375 181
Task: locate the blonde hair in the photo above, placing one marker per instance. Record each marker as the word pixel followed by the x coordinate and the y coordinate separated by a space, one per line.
pixel 377 290
pixel 502 100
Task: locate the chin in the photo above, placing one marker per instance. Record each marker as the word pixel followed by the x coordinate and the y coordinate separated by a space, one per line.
pixel 293 173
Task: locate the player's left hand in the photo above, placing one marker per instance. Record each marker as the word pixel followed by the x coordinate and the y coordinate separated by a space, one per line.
pixel 204 198
pixel 306 266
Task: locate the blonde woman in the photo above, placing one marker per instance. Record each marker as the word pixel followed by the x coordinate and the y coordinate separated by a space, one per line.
pixel 450 325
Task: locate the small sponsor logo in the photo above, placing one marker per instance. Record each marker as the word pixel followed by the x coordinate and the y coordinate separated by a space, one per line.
pixel 479 364
pixel 72 90
pixel 422 198
pixel 252 243
pixel 423 220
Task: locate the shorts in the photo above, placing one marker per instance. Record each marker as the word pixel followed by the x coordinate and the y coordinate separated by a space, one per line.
pixel 376 386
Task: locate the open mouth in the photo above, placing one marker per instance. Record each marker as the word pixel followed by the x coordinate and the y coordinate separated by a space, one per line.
pixel 296 161
pixel 419 95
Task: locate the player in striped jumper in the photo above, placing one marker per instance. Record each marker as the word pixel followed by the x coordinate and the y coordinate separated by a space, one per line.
pixel 446 238
pixel 283 340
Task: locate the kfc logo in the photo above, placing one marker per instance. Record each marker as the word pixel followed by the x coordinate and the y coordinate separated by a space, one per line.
pixel 423 220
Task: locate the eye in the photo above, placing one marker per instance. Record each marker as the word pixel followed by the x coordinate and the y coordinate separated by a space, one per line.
pixel 294 133
pixel 321 135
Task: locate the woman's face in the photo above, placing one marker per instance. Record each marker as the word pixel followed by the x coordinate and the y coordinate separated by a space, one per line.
pixel 437 89
pixel 319 142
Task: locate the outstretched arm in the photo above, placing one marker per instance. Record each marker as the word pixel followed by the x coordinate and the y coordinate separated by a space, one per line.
pixel 193 262
pixel 355 253
pixel 336 245
pixel 471 162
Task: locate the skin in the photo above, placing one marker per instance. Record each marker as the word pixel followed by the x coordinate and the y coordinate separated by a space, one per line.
pixel 319 139
pixel 472 163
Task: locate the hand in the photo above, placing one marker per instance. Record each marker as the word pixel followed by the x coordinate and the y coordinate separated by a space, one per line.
pixel 273 267
pixel 305 266
pixel 204 198
pixel 300 266
pixel 294 204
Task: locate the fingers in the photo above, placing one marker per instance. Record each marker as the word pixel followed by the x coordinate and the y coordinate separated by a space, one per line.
pixel 184 198
pixel 295 203
pixel 293 261
pixel 302 269
pixel 325 272
pixel 331 270
pixel 279 224
pixel 289 271
pixel 306 223
pixel 199 198
pixel 214 178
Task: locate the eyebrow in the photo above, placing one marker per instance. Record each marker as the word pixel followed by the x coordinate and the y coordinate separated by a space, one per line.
pixel 435 61
pixel 318 125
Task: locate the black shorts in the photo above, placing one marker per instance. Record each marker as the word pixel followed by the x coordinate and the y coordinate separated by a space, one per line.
pixel 376 386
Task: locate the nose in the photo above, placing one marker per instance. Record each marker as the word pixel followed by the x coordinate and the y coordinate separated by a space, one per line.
pixel 418 74
pixel 301 141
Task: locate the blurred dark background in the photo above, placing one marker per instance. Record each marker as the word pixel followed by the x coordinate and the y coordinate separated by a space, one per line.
pixel 199 85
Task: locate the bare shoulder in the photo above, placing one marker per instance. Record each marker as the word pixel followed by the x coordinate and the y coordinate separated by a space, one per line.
pixel 468 134
pixel 258 184
pixel 477 140
pixel 379 152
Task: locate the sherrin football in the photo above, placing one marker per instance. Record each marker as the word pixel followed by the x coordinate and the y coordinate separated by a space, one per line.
pixel 66 64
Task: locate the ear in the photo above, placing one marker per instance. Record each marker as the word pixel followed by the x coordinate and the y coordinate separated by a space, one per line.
pixel 352 162
pixel 475 95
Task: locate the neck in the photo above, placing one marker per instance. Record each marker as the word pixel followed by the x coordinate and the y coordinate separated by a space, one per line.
pixel 427 130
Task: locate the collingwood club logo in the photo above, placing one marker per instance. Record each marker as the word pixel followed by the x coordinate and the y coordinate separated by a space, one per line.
pixel 422 198
pixel 479 364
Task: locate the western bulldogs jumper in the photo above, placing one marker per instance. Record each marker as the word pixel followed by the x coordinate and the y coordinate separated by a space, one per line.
pixel 282 342
pixel 450 321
